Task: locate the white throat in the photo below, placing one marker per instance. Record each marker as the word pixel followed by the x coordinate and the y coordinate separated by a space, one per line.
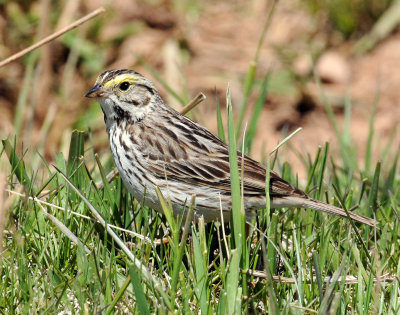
pixel 112 109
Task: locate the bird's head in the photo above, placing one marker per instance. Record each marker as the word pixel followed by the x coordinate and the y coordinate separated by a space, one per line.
pixel 123 94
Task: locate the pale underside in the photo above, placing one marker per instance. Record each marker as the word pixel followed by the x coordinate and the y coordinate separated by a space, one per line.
pixel 191 164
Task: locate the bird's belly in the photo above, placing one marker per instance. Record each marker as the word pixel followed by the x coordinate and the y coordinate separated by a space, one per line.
pixel 210 203
pixel 135 177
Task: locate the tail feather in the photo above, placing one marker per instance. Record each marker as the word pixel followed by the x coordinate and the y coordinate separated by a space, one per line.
pixel 321 206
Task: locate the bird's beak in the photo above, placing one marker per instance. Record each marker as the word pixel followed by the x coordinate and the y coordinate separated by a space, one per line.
pixel 96 92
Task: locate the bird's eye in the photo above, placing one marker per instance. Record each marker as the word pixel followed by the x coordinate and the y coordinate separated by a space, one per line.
pixel 124 86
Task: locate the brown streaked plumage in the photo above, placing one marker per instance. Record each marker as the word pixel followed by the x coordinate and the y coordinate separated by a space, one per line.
pixel 153 145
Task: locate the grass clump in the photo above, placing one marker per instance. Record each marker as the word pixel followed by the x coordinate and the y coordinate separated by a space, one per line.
pixel 73 240
pixel 57 256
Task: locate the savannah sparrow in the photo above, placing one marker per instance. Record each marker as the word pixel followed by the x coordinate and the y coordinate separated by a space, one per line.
pixel 153 145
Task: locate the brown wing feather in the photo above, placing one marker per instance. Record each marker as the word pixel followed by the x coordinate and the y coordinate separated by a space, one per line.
pixel 203 159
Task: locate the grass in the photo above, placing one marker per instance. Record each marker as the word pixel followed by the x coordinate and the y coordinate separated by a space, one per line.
pixel 294 261
pixel 74 241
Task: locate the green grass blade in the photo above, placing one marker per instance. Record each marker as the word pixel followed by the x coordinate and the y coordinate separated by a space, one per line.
pixel 272 298
pixel 106 185
pixel 220 124
pixel 200 267
pixel 327 301
pixel 168 212
pixel 318 275
pixel 273 237
pixel 373 194
pixel 76 150
pixel 248 85
pixel 17 165
pixel 141 300
pixel 300 281
pixel 232 281
pixel 312 171
pixel 252 127
pixel 267 190
pixel 322 169
pixel 237 209
pixel 121 292
pixel 390 182
pixel 181 249
pixel 285 140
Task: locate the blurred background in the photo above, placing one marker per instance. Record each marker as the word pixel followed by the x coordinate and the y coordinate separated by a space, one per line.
pixel 342 53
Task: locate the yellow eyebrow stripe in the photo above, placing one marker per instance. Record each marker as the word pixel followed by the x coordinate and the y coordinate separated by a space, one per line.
pixel 119 79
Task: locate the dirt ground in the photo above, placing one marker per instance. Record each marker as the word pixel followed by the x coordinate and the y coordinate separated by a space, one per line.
pixel 213 46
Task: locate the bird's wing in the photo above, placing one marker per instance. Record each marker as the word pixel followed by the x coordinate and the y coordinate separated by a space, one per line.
pixel 210 170
pixel 188 153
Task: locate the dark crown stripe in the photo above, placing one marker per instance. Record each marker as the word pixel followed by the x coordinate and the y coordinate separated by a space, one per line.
pixel 110 74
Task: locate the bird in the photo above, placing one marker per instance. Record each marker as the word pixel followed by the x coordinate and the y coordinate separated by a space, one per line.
pixel 154 146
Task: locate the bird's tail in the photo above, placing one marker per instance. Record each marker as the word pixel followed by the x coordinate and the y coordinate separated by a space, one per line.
pixel 302 202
